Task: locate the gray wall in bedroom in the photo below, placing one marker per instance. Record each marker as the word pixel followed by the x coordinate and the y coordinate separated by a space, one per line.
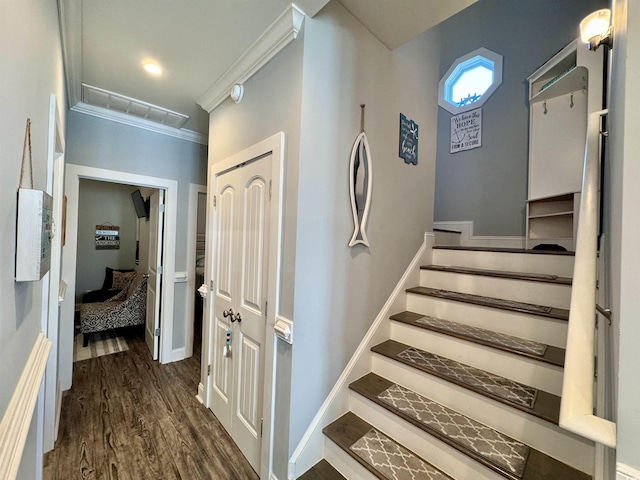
pixel 104 202
pixel 488 185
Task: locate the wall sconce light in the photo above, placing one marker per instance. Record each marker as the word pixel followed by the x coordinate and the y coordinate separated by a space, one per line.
pixel 595 29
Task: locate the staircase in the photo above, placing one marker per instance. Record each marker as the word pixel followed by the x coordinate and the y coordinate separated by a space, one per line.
pixel 467 385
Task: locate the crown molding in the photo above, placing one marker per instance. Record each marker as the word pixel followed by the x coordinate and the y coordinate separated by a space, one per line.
pixel 115 116
pixel 277 36
pixel 70 15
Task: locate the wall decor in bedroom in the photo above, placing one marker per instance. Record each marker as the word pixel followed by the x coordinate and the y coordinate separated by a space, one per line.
pixel 408 144
pixel 466 131
pixel 107 237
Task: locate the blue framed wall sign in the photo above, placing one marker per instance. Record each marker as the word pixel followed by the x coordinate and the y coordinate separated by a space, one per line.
pixel 408 144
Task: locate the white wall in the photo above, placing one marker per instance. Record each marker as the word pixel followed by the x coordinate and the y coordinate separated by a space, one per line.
pixel 31 66
pixel 99 143
pixel 339 290
pixel 104 202
pixel 623 227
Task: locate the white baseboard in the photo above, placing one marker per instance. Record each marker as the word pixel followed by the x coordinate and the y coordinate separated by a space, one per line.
pixel 200 395
pixel 624 472
pixel 468 239
pixel 15 423
pixel 309 450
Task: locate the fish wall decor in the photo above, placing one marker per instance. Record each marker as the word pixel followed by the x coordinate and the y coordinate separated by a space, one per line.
pixel 360 185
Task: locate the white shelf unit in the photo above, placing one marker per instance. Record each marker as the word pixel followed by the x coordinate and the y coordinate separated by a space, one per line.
pixel 561 94
pixel 553 220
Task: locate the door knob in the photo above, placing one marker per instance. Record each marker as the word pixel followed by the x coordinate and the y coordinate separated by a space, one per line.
pixel 227 313
pixel 237 317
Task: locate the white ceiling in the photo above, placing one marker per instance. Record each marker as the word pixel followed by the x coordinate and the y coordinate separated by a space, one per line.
pixel 196 41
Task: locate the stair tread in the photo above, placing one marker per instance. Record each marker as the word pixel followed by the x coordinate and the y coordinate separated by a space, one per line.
pixel 504 250
pixel 381 455
pixel 531 277
pixel 501 453
pixel 529 308
pixel 501 341
pixel 322 470
pixel 509 392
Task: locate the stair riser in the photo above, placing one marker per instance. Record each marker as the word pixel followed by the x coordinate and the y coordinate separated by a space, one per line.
pixel 539 434
pixel 561 265
pixel 434 451
pixel 343 462
pixel 552 295
pixel 532 327
pixel 530 372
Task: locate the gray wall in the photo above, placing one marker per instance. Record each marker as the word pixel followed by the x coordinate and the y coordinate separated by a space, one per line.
pixel 31 66
pixel 103 202
pixel 271 104
pixel 622 197
pixel 488 185
pixel 99 143
pixel 340 290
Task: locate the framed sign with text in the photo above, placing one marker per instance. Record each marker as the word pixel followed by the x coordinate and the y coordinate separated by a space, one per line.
pixel 466 131
pixel 107 237
pixel 408 145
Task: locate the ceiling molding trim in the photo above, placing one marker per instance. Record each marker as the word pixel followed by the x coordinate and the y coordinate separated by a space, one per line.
pixel 114 116
pixel 70 16
pixel 310 7
pixel 277 36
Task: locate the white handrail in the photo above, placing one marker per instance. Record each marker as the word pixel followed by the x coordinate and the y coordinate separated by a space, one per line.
pixel 576 409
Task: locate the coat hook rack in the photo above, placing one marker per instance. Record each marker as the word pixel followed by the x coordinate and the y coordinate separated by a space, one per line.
pixel 545 108
pixel 571 101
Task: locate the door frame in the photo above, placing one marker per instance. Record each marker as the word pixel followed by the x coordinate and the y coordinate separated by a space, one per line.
pixel 70 251
pixel 192 235
pixel 276 146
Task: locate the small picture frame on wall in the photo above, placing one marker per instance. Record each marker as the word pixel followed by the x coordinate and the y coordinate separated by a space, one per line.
pixel 107 237
pixel 408 143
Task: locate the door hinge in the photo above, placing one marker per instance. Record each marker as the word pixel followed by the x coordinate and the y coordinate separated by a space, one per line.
pixel 266 309
pixel 208 370
pixel 270 188
pixel 214 201
pixel 162 208
pixel 159 269
pixel 595 367
pixel 261 424
pixel 211 286
pixel 157 334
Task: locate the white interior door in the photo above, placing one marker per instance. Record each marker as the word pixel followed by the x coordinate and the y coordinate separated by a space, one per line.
pixel 154 282
pixel 239 302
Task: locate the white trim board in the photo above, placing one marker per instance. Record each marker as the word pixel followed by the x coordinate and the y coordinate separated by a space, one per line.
pixel 310 448
pixel 72 187
pixel 468 239
pixel 277 36
pixel 16 421
pixel 624 472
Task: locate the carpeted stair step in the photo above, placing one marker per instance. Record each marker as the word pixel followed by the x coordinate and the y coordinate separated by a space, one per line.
pixel 517 395
pixel 502 454
pixel 322 470
pixel 514 306
pixel 501 341
pixel 381 455
pixel 531 277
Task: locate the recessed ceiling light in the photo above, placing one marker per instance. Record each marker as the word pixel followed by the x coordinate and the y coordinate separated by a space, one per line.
pixel 152 68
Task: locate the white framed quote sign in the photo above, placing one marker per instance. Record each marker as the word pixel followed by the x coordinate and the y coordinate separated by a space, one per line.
pixel 466 131
pixel 107 237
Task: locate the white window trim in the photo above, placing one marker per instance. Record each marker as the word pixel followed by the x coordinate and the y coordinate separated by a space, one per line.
pixel 497 81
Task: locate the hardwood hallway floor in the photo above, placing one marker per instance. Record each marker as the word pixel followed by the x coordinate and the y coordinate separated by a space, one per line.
pixel 128 417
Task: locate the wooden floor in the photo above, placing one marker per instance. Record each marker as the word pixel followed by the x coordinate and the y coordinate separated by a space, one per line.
pixel 128 417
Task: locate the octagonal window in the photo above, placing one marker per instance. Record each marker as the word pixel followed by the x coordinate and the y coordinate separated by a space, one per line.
pixel 470 81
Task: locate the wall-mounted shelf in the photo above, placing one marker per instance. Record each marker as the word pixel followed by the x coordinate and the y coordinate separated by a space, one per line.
pixel 553 220
pixel 572 81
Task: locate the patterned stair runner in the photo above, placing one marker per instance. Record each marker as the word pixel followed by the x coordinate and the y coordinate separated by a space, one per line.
pixel 502 454
pixel 530 308
pixel 492 448
pixel 381 455
pixel 499 388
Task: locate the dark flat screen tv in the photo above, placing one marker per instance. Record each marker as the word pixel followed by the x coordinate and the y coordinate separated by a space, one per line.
pixel 139 203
